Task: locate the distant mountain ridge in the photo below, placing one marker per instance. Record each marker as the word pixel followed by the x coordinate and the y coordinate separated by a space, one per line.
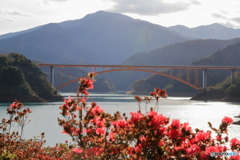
pixel 99 38
pixel 180 53
pixel 228 56
pixel 213 31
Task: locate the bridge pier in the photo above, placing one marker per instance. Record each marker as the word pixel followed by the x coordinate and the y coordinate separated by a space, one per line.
pixel 204 78
pixel 232 76
pixel 52 75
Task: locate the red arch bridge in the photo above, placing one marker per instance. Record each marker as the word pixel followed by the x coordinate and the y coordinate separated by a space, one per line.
pixel 164 70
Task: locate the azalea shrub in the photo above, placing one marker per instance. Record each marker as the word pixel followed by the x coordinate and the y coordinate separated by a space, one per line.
pixel 139 135
pixel 14 146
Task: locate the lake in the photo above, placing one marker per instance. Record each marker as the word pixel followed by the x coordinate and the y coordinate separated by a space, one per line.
pixel 196 113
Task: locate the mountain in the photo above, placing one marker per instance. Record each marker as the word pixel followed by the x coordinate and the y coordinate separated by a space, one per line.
pixel 50 43
pixel 225 90
pixel 228 56
pixel 13 34
pixel 213 31
pixel 184 53
pixel 98 38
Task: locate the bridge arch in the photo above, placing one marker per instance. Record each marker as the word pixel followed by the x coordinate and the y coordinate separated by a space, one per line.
pixel 133 69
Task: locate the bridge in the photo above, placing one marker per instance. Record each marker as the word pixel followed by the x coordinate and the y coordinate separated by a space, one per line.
pixel 164 70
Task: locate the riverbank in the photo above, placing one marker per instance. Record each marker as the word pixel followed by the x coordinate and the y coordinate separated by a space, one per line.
pixel 215 97
pixel 178 94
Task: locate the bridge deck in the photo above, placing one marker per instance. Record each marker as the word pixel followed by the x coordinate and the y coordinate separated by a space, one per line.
pixel 138 66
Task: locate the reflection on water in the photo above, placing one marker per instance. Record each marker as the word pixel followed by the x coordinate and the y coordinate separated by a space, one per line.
pixel 196 113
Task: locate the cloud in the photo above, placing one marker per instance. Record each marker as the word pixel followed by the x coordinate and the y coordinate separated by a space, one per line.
pixel 46 1
pixel 229 24
pixel 236 19
pixel 14 13
pixel 6 19
pixel 217 15
pixel 150 7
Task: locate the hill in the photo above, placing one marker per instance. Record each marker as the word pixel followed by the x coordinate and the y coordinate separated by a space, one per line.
pixel 183 53
pixel 228 56
pixel 226 90
pixel 213 31
pixel 99 38
pixel 23 80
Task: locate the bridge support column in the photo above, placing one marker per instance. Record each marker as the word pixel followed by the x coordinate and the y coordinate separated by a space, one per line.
pixel 232 76
pixel 204 78
pixel 52 76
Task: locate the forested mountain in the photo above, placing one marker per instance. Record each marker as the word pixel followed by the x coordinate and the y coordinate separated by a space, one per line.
pixel 226 90
pixel 180 53
pixel 99 38
pixel 23 80
pixel 213 31
pixel 229 56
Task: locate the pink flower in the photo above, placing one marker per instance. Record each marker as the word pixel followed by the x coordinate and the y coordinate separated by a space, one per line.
pixel 219 138
pixel 201 136
pixel 120 123
pixel 237 157
pixel 100 131
pixel 111 136
pixel 193 149
pixel 157 120
pixel 186 127
pixel 152 114
pixel 135 117
pixel 227 120
pixel 99 121
pixel 137 149
pixel 77 150
pixel 85 92
pixel 175 123
pixel 174 133
pixel 68 101
pixel 64 132
pixel 143 139
pixel 94 151
pixel 210 149
pixel 234 142
pixel 97 110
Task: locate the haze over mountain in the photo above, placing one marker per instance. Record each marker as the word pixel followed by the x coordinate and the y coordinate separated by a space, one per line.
pixel 99 38
pixel 112 38
pixel 180 53
pixel 183 53
pixel 228 56
pixel 213 31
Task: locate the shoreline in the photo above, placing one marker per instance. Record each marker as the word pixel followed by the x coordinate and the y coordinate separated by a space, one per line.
pixel 29 98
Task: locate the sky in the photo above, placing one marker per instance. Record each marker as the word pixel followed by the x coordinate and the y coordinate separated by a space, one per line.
pixel 18 15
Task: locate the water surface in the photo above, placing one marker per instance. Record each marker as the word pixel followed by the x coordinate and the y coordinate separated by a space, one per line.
pixel 196 113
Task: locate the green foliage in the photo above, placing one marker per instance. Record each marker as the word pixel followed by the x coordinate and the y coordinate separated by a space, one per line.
pixel 19 76
pixel 12 82
pixel 234 89
pixel 224 88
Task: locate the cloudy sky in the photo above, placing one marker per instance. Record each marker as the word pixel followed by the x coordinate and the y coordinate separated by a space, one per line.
pixel 16 15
